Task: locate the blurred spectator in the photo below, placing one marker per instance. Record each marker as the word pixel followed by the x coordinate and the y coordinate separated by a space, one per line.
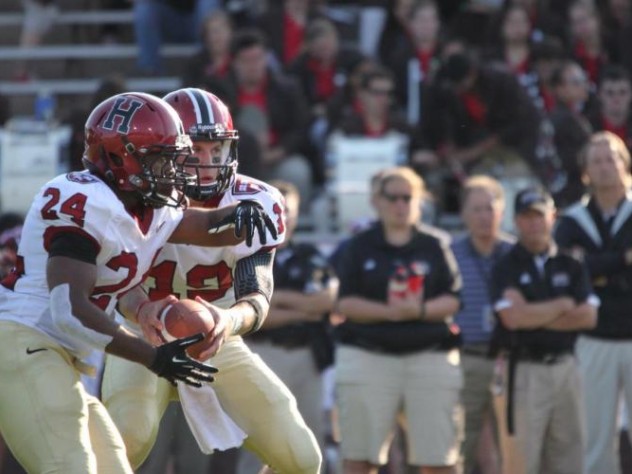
pixel 572 128
pixel 395 36
pixel 270 106
pixel 478 119
pixel 616 21
pixel 512 47
pixel 545 17
pixel 375 116
pixel 586 39
pixel 39 17
pixel 615 97
pixel 417 60
pixel 323 66
pixel 157 21
pixel 397 358
pixel 213 60
pixel 346 100
pixel 546 56
pixel 483 204
pixel 77 118
pixel 542 298
pixel 285 25
pixel 294 340
pixel 599 230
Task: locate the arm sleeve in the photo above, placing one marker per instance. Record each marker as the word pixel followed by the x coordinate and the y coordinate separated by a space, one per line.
pixel 447 277
pixel 348 273
pixel 74 245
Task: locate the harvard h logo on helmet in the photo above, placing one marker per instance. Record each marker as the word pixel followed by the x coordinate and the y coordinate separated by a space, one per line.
pixel 124 109
pixel 136 143
pixel 206 118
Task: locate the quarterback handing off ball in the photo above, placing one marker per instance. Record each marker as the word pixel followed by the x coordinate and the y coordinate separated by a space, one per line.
pixel 186 318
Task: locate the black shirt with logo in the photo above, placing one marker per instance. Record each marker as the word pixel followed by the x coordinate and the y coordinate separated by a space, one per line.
pixel 558 275
pixel 367 268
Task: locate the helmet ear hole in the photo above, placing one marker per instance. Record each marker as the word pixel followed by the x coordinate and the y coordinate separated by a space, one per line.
pixel 117 160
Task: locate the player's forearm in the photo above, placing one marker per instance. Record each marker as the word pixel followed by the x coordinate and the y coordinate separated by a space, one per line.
pixel 128 346
pixel 249 314
pixel 534 315
pixel 130 303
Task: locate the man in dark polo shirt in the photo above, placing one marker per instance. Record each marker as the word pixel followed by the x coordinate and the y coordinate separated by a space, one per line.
pixel 599 227
pixel 542 298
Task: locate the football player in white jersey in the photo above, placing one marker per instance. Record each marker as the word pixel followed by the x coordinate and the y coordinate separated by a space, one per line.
pixel 236 284
pixel 88 238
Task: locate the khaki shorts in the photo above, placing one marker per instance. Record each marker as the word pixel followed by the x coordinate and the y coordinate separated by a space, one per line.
pixel 48 420
pixel 422 390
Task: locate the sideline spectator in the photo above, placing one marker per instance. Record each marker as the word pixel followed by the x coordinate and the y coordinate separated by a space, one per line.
pixel 397 357
pixel 599 229
pixel 482 207
pixel 542 299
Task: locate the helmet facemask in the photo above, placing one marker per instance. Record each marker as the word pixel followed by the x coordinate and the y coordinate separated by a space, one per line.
pixel 163 180
pixel 225 163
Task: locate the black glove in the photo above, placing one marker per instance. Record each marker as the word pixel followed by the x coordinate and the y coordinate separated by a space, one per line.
pixel 252 216
pixel 173 363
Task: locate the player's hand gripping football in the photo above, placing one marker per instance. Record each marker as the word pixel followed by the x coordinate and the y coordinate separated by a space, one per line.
pixel 248 216
pixel 173 364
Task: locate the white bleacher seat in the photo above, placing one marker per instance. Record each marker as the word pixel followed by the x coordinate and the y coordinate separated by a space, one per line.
pixel 31 153
pixel 353 161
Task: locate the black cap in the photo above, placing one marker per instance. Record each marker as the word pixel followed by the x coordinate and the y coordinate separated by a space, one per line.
pixel 533 199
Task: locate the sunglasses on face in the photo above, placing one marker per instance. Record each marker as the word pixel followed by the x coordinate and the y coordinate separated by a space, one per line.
pixel 381 92
pixel 392 198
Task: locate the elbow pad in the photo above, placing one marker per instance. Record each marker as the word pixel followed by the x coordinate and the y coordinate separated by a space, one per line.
pixel 61 312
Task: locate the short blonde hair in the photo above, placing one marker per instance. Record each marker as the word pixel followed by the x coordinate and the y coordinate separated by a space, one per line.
pixel 404 173
pixel 614 142
pixel 484 183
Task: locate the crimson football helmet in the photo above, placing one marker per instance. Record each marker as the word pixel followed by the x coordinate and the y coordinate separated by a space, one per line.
pixel 136 142
pixel 206 118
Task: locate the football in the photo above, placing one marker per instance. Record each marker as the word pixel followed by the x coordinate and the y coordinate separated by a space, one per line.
pixel 186 318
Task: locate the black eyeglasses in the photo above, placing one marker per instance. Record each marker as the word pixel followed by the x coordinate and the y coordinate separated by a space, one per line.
pixel 392 198
pixel 383 92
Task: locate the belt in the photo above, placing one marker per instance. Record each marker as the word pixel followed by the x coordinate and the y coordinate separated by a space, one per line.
pixel 477 350
pixel 541 357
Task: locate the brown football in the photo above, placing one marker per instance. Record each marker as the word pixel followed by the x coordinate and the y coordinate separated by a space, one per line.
pixel 186 318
